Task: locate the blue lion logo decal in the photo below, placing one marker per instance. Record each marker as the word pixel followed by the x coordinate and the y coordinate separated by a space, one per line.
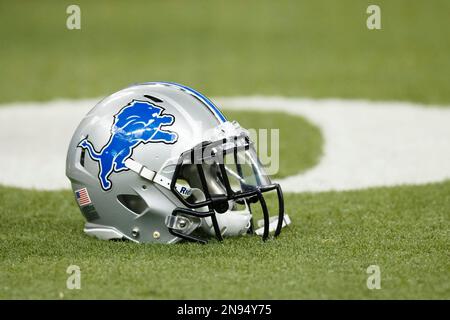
pixel 138 122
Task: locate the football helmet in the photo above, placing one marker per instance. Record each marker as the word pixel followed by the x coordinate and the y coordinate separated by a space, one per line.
pixel 158 162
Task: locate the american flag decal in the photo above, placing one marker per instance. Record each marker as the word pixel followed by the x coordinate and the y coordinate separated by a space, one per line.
pixel 82 196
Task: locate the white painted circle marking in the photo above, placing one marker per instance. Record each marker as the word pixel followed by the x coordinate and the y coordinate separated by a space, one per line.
pixel 366 144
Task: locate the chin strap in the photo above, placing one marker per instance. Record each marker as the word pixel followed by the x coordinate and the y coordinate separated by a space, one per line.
pixel 272 224
pixel 154 177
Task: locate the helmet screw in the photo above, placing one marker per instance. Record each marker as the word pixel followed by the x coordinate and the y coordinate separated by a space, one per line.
pixel 156 235
pixel 135 232
pixel 182 223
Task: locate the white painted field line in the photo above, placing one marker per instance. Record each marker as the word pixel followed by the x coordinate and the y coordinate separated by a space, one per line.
pixel 367 144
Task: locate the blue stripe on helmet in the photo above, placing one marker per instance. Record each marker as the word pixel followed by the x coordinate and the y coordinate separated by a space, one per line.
pixel 208 102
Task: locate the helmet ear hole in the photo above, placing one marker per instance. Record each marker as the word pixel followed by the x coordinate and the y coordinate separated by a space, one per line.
pixel 133 203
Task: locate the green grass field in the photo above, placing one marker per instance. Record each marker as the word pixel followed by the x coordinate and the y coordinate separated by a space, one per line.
pixel 333 239
pixel 316 48
pixel 310 49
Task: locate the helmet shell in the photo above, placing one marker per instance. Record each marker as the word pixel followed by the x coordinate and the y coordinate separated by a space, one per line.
pixel 123 204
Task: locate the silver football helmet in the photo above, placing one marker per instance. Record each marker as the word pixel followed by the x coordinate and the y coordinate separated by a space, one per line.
pixel 158 162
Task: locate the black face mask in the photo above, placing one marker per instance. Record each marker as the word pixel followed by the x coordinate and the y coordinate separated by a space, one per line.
pixel 223 172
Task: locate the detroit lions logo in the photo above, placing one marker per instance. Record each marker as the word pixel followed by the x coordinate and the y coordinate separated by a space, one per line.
pixel 139 122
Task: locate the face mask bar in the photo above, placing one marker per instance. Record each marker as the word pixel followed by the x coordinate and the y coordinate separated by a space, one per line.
pixel 218 203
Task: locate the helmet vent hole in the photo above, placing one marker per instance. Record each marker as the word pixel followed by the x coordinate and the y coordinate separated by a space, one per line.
pixel 82 157
pixel 133 203
pixel 154 99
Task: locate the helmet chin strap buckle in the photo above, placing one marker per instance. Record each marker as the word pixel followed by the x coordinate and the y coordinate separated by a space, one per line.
pixel 178 223
pixel 153 176
pixel 272 225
